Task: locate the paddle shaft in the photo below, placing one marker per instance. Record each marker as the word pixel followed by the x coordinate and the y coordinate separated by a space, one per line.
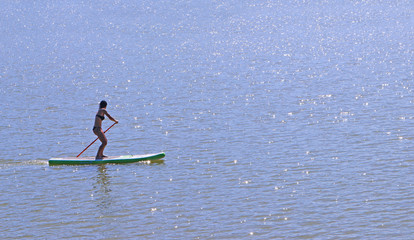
pixel 94 141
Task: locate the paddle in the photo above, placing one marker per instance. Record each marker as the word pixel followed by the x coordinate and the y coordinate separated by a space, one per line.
pixel 95 140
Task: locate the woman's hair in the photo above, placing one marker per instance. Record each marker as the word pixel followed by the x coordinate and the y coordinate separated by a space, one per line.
pixel 103 104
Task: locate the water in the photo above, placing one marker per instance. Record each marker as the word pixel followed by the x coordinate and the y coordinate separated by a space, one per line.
pixel 279 119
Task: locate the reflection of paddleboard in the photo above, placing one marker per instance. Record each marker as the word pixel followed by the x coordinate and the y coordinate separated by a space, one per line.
pixel 110 159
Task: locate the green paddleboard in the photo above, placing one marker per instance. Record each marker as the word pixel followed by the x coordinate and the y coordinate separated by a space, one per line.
pixel 110 159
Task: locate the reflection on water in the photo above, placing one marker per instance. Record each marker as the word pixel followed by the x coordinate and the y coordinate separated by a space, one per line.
pixel 157 162
pixel 102 189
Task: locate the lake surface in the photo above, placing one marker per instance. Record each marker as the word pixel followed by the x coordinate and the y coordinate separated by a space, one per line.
pixel 279 119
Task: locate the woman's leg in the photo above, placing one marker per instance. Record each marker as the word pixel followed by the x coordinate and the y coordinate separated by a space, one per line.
pixel 104 141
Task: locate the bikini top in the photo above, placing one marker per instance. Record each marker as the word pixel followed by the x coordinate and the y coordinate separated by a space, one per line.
pixel 101 117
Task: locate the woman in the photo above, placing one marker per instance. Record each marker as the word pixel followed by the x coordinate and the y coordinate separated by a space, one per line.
pixel 97 128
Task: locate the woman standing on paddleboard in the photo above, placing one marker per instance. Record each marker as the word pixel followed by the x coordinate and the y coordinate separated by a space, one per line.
pixel 97 128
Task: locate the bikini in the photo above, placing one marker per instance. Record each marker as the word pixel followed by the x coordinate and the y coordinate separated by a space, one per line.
pixel 102 118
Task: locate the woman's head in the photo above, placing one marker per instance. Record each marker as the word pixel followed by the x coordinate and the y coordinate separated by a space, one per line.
pixel 103 104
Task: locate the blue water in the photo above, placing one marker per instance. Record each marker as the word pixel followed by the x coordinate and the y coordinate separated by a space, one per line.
pixel 279 119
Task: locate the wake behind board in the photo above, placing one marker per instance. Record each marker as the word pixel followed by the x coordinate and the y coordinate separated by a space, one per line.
pixel 110 159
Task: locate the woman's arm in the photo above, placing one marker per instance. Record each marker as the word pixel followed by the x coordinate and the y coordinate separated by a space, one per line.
pixel 110 117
